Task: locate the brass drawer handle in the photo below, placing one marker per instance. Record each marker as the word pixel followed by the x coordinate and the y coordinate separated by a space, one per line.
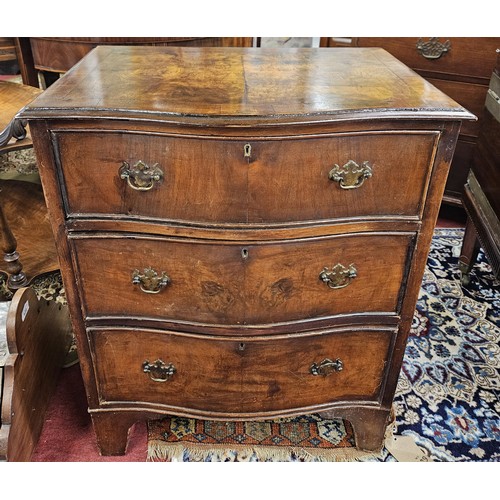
pixel 159 371
pixel 351 175
pixel 149 280
pixel 433 48
pixel 326 367
pixel 141 176
pixel 339 276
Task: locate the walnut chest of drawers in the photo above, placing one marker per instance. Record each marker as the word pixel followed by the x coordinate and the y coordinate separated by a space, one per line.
pixel 242 233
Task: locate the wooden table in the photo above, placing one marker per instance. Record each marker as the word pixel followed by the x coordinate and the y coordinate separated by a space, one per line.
pixel 24 226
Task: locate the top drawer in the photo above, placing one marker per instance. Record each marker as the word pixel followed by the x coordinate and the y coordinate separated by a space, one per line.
pixel 235 180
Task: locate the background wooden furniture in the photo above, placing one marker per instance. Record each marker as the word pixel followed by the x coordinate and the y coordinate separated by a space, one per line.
pixel 38 333
pixel 38 336
pixel 55 55
pixel 24 227
pixel 461 68
pixel 7 49
pixel 482 191
pixel 251 246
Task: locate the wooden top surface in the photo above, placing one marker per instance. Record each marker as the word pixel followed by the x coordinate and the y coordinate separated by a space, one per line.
pixel 242 85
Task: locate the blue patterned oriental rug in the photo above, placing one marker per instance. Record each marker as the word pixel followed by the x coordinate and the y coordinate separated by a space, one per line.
pixel 448 393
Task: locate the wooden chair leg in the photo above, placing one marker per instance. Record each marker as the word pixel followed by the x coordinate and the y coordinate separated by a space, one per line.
pixel 17 279
pixel 470 250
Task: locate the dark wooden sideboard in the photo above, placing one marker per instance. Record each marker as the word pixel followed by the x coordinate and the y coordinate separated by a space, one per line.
pixel 52 56
pixel 241 235
pixel 482 191
pixel 461 68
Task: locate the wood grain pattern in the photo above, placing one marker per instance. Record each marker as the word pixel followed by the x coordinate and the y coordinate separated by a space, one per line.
pixel 214 283
pixel 243 239
pixel 217 172
pixel 245 83
pixel 237 377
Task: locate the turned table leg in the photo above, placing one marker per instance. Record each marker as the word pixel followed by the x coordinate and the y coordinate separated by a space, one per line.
pixel 470 249
pixel 17 278
pixel 111 429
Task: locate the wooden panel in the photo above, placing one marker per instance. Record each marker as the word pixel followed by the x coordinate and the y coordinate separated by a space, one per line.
pixel 60 54
pixel 227 283
pixel 470 96
pixel 217 174
pixel 459 170
pixel 242 376
pixel 38 336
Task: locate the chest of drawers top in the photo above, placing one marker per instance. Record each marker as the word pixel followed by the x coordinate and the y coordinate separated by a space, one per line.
pixel 242 86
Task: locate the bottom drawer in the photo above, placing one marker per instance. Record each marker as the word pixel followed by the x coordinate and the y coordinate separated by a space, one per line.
pixel 238 376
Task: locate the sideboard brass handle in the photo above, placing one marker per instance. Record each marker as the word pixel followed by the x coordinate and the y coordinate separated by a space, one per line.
pixel 351 175
pixel 326 367
pixel 159 371
pixel 339 276
pixel 149 280
pixel 141 176
pixel 433 48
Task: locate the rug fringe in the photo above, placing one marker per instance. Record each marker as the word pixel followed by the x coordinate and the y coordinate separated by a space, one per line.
pixel 159 451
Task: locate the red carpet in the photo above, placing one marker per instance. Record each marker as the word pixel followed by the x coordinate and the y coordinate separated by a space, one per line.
pixel 67 434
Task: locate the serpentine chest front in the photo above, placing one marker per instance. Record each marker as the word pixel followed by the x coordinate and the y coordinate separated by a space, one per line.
pixel 242 232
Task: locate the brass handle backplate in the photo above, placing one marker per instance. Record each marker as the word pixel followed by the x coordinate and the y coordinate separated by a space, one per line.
pixel 339 276
pixel 433 48
pixel 351 175
pixel 149 280
pixel 326 367
pixel 141 176
pixel 159 371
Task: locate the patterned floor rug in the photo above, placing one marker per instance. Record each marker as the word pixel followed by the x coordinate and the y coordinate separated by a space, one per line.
pixel 447 404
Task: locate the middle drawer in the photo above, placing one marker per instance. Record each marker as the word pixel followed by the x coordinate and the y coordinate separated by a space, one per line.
pixel 230 283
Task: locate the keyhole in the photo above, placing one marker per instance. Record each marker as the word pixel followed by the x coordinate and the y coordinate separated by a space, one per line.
pixel 244 253
pixel 241 347
pixel 247 150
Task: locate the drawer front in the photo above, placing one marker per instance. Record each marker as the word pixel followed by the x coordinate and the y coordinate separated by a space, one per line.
pixel 247 375
pixel 231 284
pixel 365 174
pixel 466 57
pixel 212 181
pixel 181 179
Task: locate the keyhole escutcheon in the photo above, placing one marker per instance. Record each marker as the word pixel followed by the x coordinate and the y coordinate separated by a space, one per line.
pixel 247 150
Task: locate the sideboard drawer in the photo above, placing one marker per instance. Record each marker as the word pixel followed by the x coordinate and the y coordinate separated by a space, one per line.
pixel 208 180
pixel 246 375
pixel 232 283
pixel 463 57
